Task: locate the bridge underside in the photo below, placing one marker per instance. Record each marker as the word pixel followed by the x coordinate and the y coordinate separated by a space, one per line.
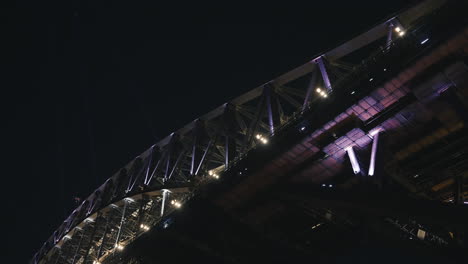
pixel 206 234
pixel 377 172
pixel 308 203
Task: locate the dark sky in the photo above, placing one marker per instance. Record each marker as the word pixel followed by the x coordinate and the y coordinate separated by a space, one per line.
pixel 88 86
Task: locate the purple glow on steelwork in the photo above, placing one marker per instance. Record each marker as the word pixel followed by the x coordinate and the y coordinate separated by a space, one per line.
pixel 324 73
pixel 373 153
pixel 375 131
pixel 352 158
pixel 389 35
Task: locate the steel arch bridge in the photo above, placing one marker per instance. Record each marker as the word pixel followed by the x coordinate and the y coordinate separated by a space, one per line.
pixel 142 194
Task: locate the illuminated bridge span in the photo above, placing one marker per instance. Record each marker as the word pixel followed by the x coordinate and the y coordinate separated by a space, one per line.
pixel 376 127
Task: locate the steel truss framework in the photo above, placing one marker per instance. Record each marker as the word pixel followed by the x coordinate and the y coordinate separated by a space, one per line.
pixel 137 197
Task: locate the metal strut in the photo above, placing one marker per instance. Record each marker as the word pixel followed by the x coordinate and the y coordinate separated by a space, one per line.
pixel 324 73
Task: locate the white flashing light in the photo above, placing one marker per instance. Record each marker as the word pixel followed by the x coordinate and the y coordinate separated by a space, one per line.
pixel 353 92
pixel 401 33
pixel 261 139
pixel 398 29
pixel 353 159
pixel 119 247
pixel 371 79
pixel 424 41
pixel 330 185
pixel 144 227
pixel 210 173
pixel 176 203
pixel 317 225
pixel 321 92
pixel 323 185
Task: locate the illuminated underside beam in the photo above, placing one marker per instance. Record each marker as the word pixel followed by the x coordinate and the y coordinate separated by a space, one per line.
pixel 353 159
pixel 373 154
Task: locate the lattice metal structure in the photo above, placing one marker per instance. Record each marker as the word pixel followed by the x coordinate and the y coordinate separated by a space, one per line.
pixel 416 231
pixel 143 193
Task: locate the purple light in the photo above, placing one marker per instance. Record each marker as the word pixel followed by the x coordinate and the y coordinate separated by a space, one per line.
pixel 373 153
pixel 324 73
pixel 352 158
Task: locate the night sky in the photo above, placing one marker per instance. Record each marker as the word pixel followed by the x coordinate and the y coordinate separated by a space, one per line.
pixel 88 86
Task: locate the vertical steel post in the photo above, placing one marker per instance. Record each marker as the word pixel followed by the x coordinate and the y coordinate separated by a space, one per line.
pixel 150 159
pixel 458 192
pixel 229 151
pixel 389 35
pixel 312 83
pixel 106 229
pixel 140 214
pixel 324 73
pixel 254 125
pixel 163 203
pixel 197 139
pixel 78 247
pixel 59 255
pixel 204 156
pixel 91 238
pixel 373 154
pixel 122 220
pixel 229 132
pixel 353 159
pixel 267 90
